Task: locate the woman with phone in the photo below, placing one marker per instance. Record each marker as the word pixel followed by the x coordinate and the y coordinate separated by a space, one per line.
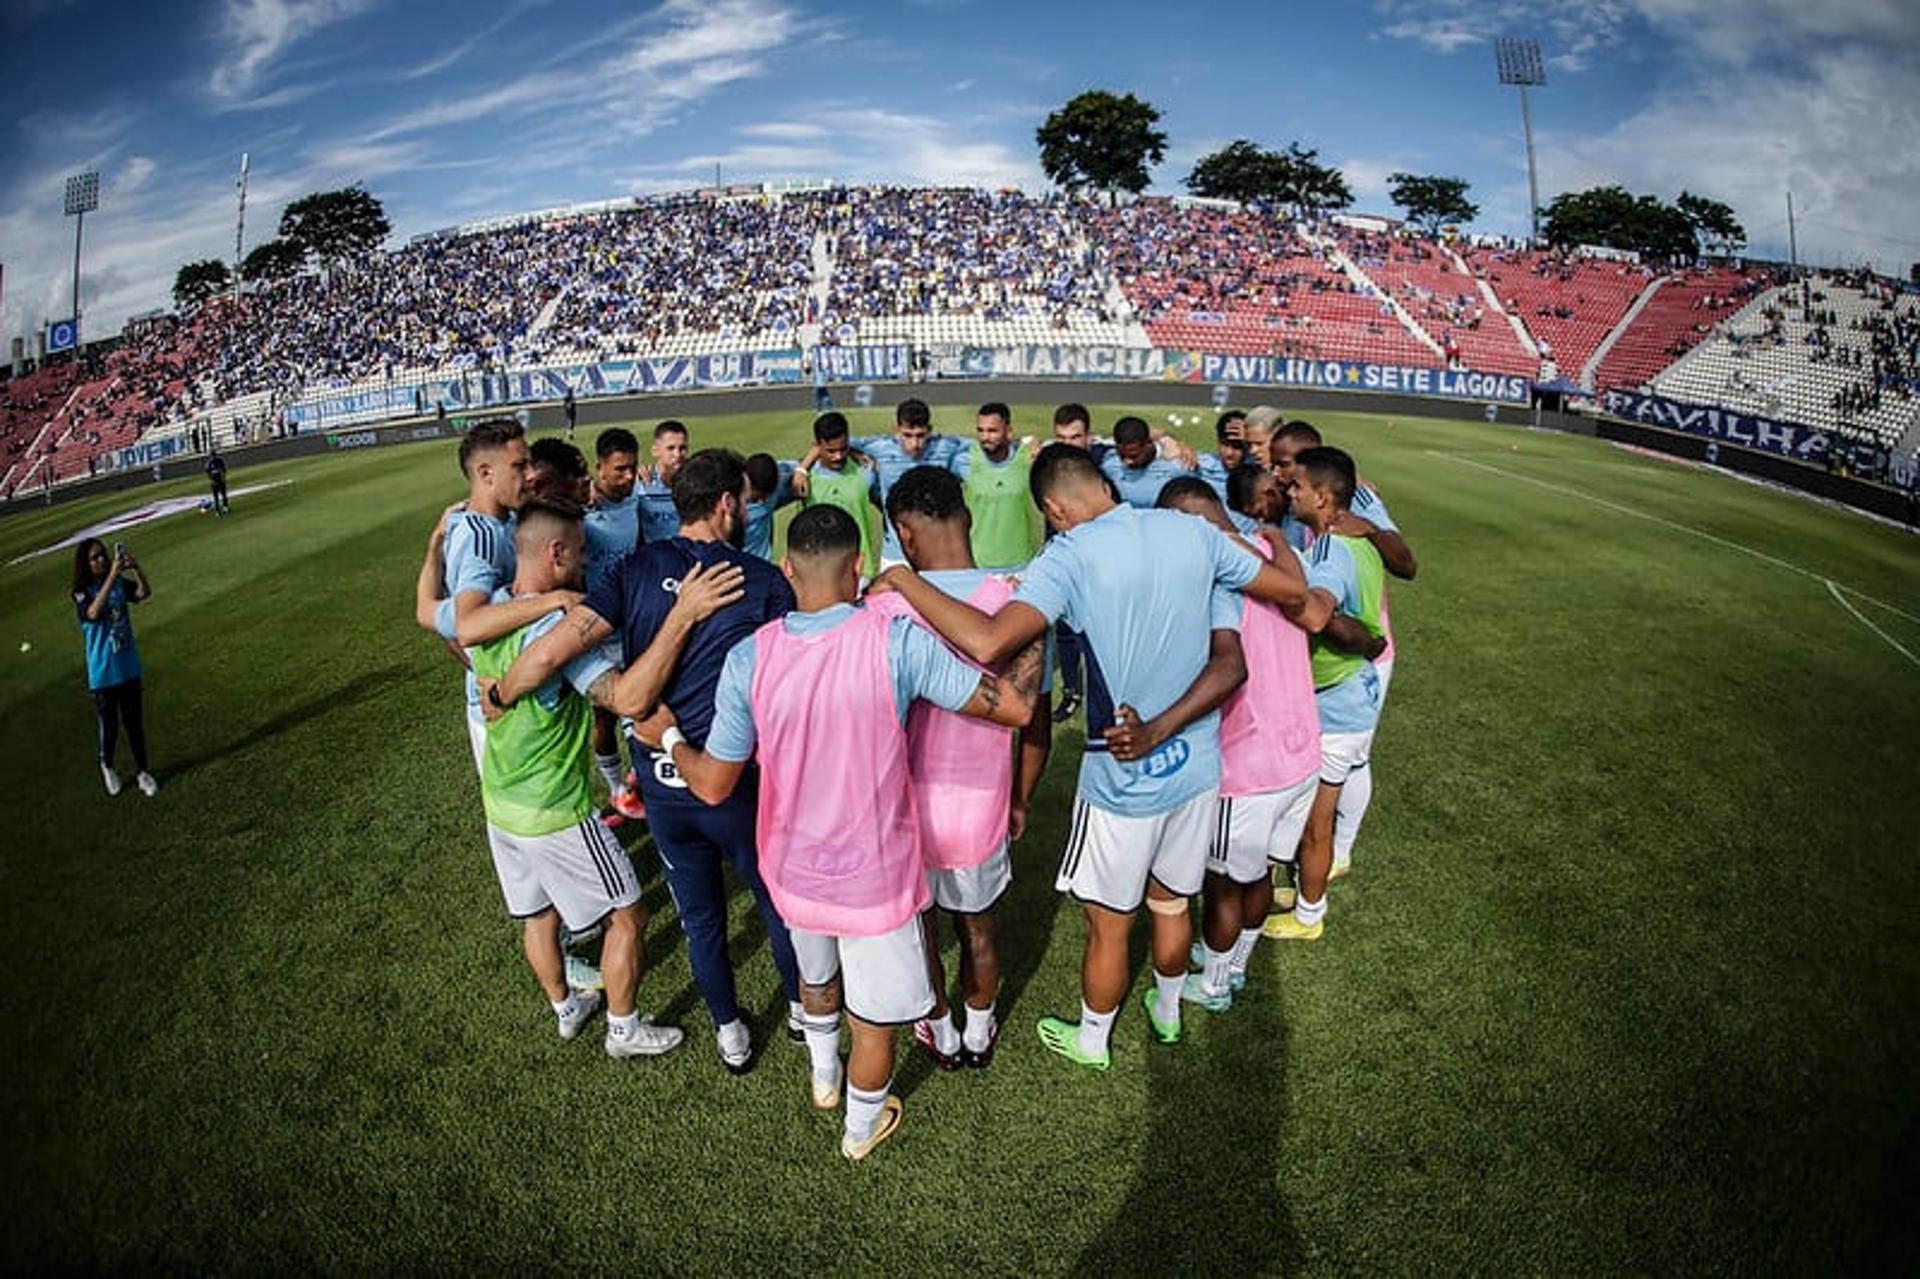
pixel 103 587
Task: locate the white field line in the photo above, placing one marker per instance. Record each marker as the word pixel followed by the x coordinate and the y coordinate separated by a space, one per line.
pixel 1858 616
pixel 1688 529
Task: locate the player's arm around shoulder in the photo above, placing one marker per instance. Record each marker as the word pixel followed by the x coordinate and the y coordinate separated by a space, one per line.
pixel 988 640
pixel 577 632
pixel 705 589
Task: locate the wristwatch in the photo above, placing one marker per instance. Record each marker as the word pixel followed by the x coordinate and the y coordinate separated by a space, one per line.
pixel 493 695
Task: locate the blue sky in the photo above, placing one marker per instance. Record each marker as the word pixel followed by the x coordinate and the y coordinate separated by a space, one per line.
pixel 455 111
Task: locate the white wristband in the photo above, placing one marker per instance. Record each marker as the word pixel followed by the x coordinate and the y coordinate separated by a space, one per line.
pixel 671 738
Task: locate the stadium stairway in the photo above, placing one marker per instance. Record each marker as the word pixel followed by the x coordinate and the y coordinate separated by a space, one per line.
pixel 1591 369
pixel 1369 287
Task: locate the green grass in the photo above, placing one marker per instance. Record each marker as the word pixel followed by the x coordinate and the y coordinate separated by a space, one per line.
pixel 1623 981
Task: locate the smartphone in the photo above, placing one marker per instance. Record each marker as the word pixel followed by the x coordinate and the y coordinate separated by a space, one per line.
pixel 119 550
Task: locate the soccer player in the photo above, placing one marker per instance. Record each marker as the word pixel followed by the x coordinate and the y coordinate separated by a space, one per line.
pixel 835 479
pixel 217 478
pixel 912 444
pixel 971 797
pixel 556 864
pixel 1347 687
pixel 470 552
pixel 677 652
pixel 1139 586
pixel 557 472
pixel 993 472
pixel 1135 467
pixel 823 696
pixel 658 518
pixel 613 529
pixel 1072 425
pixel 769 487
pixel 1269 750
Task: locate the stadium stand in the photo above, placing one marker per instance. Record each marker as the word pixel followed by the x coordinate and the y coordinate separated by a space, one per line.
pixel 1677 313
pixel 1569 304
pixel 1443 297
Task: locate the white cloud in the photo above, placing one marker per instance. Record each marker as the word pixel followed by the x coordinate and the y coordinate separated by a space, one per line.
pixel 255 33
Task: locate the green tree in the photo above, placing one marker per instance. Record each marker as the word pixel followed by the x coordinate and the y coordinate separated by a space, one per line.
pixel 335 226
pixel 1615 217
pixel 197 281
pixel 1103 141
pixel 1306 185
pixel 273 260
pixel 1713 223
pixel 1431 200
pixel 1238 171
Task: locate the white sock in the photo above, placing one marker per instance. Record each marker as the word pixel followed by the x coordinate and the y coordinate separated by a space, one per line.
pixel 1242 950
pixel 1094 1030
pixel 1310 913
pixel 1213 970
pixel 946 1036
pixel 979 1027
pixel 1166 997
pixel 1354 798
pixel 568 1007
pixel 622 1027
pixel 863 1110
pixel 609 766
pixel 797 1012
pixel 823 1044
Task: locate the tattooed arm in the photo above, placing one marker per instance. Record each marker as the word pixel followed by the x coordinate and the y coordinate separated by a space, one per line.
pixel 577 632
pixel 1036 735
pixel 1009 699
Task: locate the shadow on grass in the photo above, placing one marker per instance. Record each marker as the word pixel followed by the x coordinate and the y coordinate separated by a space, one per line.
pixel 359 690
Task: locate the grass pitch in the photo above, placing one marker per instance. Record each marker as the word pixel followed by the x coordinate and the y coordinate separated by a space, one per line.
pixel 1624 979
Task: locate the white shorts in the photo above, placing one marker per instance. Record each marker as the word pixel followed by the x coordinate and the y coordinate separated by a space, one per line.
pixel 883 980
pixel 1253 829
pixel 581 871
pixel 1385 671
pixel 975 889
pixel 477 738
pixel 1342 753
pixel 1110 857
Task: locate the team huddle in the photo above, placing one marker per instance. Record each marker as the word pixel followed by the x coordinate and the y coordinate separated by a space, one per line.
pixel 859 730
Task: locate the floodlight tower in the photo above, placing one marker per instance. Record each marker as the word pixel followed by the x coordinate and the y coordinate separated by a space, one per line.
pixel 83 197
pixel 1520 65
pixel 240 226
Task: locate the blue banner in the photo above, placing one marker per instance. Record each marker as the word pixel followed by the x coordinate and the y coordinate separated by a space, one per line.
pixel 864 363
pixel 1354 375
pixel 145 454
pixel 1789 439
pixel 1130 362
pixel 62 335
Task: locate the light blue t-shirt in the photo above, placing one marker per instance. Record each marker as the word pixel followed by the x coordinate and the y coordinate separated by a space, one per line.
pixel 920 664
pixel 479 557
pixel 1139 586
pixel 613 529
pixel 579 672
pixel 1352 705
pixel 759 535
pixel 112 656
pixel 1140 486
pixel 1368 506
pixel 659 518
pixel 891 461
pixel 961 583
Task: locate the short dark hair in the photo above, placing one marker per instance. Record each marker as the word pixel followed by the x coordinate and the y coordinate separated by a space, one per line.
pixel 538 511
pixel 763 472
pixel 1185 488
pixel 1072 413
pixel 930 492
pixel 559 457
pixel 913 413
pixel 831 425
pixel 1240 484
pixel 1225 420
pixel 822 532
pixel 493 433
pixel 704 479
pixel 1131 430
pixel 1058 464
pixel 671 426
pixel 1300 430
pixel 994 408
pixel 1329 468
pixel 615 439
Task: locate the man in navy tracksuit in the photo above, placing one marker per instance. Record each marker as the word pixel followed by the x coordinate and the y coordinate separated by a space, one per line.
pixel 636 596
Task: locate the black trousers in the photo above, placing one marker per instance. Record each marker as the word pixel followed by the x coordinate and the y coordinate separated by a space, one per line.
pixel 113 705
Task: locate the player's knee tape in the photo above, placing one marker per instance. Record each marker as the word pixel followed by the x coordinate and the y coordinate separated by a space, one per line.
pixel 1167 905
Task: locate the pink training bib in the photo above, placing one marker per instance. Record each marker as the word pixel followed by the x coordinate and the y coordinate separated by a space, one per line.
pixel 839 837
pixel 1270 727
pixel 962 767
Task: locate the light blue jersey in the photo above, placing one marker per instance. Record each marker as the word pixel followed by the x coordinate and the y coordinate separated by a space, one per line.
pixel 961 583
pixel 1368 506
pixel 1140 486
pixel 613 529
pixel 891 461
pixel 112 656
pixel 1353 704
pixel 920 664
pixel 659 520
pixel 580 673
pixel 759 535
pixel 1211 469
pixel 1139 586
pixel 479 557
